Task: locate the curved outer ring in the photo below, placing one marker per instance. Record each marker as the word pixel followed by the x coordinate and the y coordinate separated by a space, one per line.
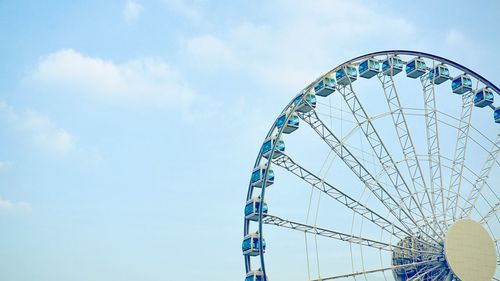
pixel 291 108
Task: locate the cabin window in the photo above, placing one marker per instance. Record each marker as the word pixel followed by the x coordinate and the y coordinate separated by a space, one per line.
pixel 256 175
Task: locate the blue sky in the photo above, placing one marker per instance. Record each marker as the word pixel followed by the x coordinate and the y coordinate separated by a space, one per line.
pixel 128 129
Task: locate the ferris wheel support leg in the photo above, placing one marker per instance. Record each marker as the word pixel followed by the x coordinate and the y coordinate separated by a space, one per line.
pixel 392 205
pixel 406 196
pixel 483 176
pixel 407 146
pixel 459 159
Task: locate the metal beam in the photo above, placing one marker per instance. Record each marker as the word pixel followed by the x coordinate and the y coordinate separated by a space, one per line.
pixel 362 173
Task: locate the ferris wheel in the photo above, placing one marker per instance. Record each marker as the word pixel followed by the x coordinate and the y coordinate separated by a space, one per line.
pixel 390 172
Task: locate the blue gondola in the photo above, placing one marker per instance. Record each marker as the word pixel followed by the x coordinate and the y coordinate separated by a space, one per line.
pixel 258 176
pixel 461 84
pixel 251 244
pixel 415 68
pixel 369 68
pixel 306 104
pixel 255 275
pixel 392 66
pixel 268 144
pixel 439 74
pixel 292 124
pixel 483 97
pixel 346 75
pixel 496 115
pixel 252 209
pixel 325 87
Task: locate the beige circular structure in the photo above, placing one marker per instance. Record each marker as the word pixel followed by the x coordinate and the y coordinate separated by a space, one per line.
pixel 470 251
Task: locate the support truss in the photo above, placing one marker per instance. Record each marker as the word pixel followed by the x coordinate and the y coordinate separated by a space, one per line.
pixel 406 142
pixel 491 212
pixel 459 159
pixel 433 149
pixel 376 270
pixel 277 221
pixel 483 176
pixel 315 181
pixel 399 212
pixel 389 166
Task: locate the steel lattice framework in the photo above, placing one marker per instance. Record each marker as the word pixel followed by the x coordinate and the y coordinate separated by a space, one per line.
pixel 420 183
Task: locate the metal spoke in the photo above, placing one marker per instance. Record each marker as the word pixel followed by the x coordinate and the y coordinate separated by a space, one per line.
pixel 491 212
pixel 406 143
pixel 433 149
pixel 394 267
pixel 459 159
pixel 405 139
pixel 481 179
pixel 421 274
pixel 380 150
pixel 442 272
pixel 287 163
pixel 398 211
pixel 277 221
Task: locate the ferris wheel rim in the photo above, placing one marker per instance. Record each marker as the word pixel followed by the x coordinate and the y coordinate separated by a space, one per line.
pixel 290 107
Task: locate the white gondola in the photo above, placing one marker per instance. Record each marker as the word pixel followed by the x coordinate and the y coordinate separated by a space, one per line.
pixel 461 84
pixel 346 75
pixel 415 68
pixel 251 245
pixel 496 115
pixel 258 176
pixel 255 275
pixel 252 209
pixel 392 66
pixel 325 87
pixel 369 68
pixel 439 74
pixel 291 125
pixel 483 97
pixel 307 102
pixel 268 145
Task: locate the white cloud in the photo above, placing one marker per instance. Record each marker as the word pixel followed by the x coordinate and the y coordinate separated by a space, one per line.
pixel 4 165
pixel 147 81
pixel 9 207
pixel 132 10
pixel 40 129
pixel 209 52
pixel 300 43
pixel 190 9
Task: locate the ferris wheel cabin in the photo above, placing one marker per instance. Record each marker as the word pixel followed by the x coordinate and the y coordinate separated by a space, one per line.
pixel 461 84
pixel 255 275
pixel 369 68
pixel 268 145
pixel 346 75
pixel 483 97
pixel 251 245
pixel 292 123
pixel 307 102
pixel 496 115
pixel 415 68
pixel 258 176
pixel 325 87
pixel 252 209
pixel 439 74
pixel 392 66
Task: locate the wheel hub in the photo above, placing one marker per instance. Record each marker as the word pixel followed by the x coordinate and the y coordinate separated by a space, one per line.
pixel 470 251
